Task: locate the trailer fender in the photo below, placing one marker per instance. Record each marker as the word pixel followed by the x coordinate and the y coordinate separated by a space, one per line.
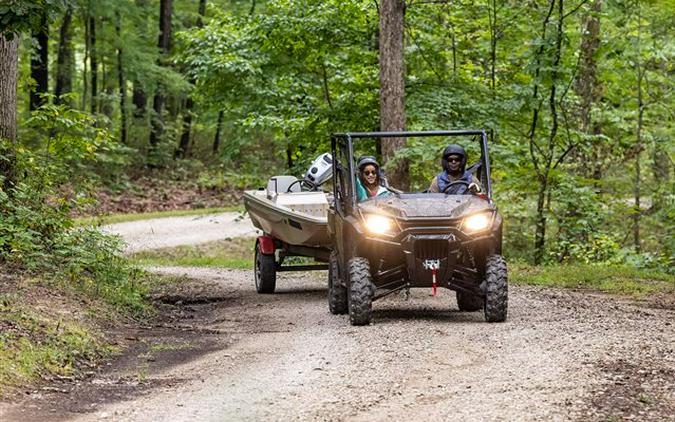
pixel 266 245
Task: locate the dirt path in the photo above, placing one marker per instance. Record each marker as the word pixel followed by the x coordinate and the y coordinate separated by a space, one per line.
pixel 231 354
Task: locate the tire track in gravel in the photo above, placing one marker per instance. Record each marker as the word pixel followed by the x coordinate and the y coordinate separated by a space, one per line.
pixel 421 359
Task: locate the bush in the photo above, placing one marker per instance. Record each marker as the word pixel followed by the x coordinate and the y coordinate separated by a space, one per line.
pixel 53 180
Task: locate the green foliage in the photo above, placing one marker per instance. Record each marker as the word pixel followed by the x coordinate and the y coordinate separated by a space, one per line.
pixel 36 225
pixel 300 71
pixel 18 16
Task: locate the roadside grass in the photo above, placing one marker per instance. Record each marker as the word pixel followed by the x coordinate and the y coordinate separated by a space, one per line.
pixel 123 218
pixel 236 253
pixel 58 327
pixel 623 280
pixel 229 253
pixel 45 333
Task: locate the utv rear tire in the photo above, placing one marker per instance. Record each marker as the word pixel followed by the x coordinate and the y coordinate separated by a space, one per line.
pixel 361 292
pixel 496 289
pixel 468 302
pixel 337 292
pixel 265 271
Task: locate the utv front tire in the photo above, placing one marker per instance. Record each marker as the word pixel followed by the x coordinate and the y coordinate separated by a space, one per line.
pixel 496 289
pixel 265 271
pixel 337 292
pixel 468 302
pixel 361 292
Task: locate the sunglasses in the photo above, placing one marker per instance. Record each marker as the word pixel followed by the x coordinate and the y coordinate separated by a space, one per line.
pixel 369 172
pixel 454 160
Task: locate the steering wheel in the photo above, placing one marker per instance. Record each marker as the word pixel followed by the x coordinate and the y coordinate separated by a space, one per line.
pixel 292 184
pixel 456 182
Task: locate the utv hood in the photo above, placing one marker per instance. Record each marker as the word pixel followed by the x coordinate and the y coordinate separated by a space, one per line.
pixel 426 205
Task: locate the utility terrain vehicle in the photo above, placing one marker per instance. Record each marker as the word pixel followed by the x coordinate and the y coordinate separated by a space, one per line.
pixel 403 240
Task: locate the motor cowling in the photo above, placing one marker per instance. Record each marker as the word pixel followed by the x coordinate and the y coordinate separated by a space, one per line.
pixel 320 171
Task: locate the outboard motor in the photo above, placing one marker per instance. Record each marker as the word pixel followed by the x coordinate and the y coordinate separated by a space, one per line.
pixel 319 172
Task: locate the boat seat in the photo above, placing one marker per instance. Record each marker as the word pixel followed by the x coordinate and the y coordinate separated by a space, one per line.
pixel 280 184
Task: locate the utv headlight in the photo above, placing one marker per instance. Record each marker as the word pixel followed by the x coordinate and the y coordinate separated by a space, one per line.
pixel 379 224
pixel 477 222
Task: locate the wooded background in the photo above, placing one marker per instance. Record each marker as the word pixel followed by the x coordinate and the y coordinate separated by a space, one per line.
pixel 577 96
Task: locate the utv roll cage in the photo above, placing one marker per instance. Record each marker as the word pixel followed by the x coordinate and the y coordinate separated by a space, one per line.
pixel 342 145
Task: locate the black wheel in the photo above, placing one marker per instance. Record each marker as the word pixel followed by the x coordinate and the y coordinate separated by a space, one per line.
pixel 496 289
pixel 337 292
pixel 361 292
pixel 265 271
pixel 468 302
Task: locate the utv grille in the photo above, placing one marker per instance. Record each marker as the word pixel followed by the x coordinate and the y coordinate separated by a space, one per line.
pixel 437 226
pixel 431 248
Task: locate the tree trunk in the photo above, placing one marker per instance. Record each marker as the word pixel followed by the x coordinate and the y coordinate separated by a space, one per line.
pixel 201 13
pixel 39 64
pixel 638 141
pixel 85 64
pixel 586 84
pixel 108 83
pixel 492 20
pixel 540 222
pixel 140 100
pixel 93 64
pixel 64 61
pixel 392 87
pixel 184 144
pixel 121 82
pixel 219 129
pixel 9 61
pixel 164 44
pixel 543 155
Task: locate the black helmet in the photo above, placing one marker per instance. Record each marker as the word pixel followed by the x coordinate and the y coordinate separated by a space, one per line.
pixel 453 149
pixel 366 160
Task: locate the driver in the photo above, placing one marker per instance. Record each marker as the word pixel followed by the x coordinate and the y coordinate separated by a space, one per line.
pixel 454 170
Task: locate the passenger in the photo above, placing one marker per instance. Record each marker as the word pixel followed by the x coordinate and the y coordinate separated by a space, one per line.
pixel 454 170
pixel 369 180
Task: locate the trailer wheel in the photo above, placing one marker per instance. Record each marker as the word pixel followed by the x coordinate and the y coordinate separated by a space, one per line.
pixel 496 289
pixel 337 292
pixel 361 292
pixel 265 271
pixel 468 302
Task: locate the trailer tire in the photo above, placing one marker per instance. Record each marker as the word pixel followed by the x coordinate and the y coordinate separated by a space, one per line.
pixel 496 289
pixel 361 292
pixel 468 302
pixel 265 271
pixel 337 292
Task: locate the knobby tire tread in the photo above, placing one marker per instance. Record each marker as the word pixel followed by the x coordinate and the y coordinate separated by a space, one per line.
pixel 496 289
pixel 361 292
pixel 337 293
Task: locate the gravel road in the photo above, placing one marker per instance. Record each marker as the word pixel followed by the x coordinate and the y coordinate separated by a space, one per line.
pixel 175 231
pixel 561 355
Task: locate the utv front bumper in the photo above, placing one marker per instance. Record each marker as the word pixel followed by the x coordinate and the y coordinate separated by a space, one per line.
pixel 401 261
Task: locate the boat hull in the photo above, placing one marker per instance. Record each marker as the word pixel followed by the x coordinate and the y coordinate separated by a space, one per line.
pixel 281 217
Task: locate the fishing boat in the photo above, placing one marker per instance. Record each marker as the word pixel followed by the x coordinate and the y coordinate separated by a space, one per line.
pixel 285 212
pixel 292 213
